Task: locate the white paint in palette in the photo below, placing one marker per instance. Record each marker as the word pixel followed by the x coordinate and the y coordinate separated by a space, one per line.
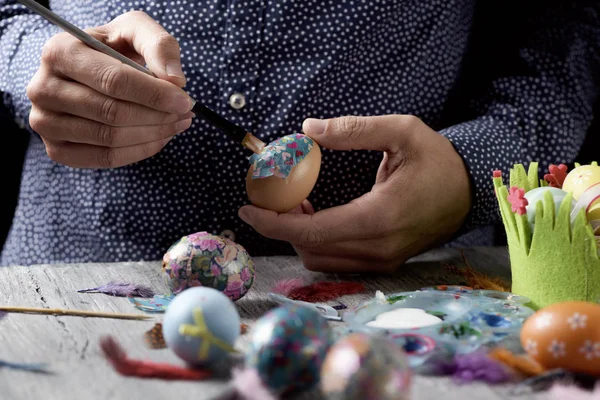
pixel 404 318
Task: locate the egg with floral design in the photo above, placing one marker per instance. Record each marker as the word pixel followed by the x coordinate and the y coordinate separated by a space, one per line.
pixel 365 366
pixel 564 335
pixel 284 174
pixel 202 259
pixel 287 348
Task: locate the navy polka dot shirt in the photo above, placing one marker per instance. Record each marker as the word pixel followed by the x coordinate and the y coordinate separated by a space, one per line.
pixel 505 81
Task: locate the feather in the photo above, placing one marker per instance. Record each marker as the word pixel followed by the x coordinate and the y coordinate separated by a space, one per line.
pixel 475 366
pixel 285 286
pixel 519 363
pixel 249 385
pixel 24 367
pixel 571 392
pixel 121 290
pixel 147 369
pixel 325 291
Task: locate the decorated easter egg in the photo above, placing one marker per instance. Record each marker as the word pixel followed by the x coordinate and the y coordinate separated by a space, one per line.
pixel 362 366
pixel 564 335
pixel 201 326
pixel 202 259
pixel 287 348
pixel 284 174
pixel 536 195
pixel 578 181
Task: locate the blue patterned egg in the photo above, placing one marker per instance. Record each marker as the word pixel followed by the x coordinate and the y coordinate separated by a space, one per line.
pixel 287 348
pixel 202 259
pixel 201 326
pixel 364 366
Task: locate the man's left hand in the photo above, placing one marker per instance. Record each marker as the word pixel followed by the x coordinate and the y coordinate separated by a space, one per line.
pixel 421 197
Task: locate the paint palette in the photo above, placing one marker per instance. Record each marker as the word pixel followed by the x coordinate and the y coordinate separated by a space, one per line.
pixel 454 319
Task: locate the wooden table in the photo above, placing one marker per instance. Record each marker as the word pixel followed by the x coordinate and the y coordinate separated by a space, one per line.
pixel 70 344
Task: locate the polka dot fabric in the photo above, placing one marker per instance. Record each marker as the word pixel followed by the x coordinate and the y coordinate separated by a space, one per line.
pixel 292 60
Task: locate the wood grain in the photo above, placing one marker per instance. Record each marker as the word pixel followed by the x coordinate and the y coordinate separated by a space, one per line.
pixel 70 344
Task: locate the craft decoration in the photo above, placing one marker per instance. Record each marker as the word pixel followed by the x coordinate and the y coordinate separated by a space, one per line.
pixel 475 366
pixel 287 348
pixel 158 304
pixel 572 392
pixel 555 258
pixel 74 313
pixel 121 290
pixel 202 259
pixel 475 279
pixel 125 366
pixel 201 326
pixel 362 366
pixel 286 286
pixel 284 174
pixel 325 291
pixel 565 335
pixel 466 320
pixel 154 337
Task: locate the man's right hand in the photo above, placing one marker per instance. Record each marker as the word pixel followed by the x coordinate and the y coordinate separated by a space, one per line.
pixel 93 111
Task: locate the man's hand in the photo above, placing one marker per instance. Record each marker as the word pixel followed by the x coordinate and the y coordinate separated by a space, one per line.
pixel 421 197
pixel 92 111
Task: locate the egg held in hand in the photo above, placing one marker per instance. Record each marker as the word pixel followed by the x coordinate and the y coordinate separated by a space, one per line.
pixel 284 174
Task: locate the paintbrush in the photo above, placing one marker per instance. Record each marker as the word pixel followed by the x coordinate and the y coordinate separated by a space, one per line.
pixel 75 313
pixel 237 133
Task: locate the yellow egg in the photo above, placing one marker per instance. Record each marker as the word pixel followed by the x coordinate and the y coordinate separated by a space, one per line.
pixel 578 181
pixel 284 174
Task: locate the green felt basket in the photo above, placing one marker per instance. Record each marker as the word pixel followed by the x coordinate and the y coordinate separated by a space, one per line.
pixel 559 260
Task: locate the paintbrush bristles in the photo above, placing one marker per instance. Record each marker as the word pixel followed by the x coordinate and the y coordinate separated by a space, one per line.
pixel 75 313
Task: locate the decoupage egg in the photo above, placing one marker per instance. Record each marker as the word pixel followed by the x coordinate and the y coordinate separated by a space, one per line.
pixel 362 367
pixel 581 179
pixel 287 348
pixel 284 174
pixel 202 259
pixel 201 326
pixel 564 335
pixel 536 195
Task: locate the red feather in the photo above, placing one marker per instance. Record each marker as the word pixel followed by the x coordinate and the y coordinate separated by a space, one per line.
pixel 325 291
pixel 146 369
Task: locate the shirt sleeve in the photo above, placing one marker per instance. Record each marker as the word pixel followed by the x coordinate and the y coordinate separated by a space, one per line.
pixel 536 100
pixel 22 36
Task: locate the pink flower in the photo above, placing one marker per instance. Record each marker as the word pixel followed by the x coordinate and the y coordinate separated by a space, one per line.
pixel 517 200
pixel 292 145
pixel 215 270
pixel 245 274
pixel 234 289
pixel 209 244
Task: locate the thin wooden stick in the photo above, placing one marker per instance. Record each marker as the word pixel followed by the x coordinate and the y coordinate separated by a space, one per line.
pixel 76 313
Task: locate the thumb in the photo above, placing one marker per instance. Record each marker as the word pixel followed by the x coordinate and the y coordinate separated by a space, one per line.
pixel 159 49
pixel 380 133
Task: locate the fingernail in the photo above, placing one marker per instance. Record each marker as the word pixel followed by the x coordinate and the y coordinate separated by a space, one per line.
pixel 181 126
pixel 244 215
pixel 182 103
pixel 174 69
pixel 187 116
pixel 312 126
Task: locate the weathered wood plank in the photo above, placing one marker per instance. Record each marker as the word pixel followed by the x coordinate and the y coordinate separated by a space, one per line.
pixel 70 344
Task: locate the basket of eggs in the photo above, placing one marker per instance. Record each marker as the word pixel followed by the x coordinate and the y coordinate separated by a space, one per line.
pixel 553 229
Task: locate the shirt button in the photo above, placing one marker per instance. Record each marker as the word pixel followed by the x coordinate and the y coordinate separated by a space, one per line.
pixel 228 234
pixel 237 101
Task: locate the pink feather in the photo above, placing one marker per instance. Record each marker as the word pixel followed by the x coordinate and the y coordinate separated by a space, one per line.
pixel 564 392
pixel 287 286
pixel 249 386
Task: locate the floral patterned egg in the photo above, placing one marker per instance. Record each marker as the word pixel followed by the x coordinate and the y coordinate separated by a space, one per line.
pixel 202 259
pixel 287 347
pixel 365 367
pixel 579 181
pixel 565 335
